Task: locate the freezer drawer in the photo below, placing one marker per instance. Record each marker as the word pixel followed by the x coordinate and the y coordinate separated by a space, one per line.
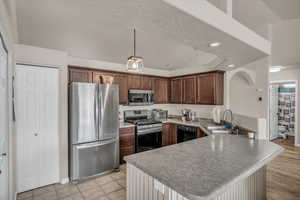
pixel 94 158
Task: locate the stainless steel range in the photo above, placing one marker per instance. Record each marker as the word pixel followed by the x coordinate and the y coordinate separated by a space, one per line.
pixel 148 132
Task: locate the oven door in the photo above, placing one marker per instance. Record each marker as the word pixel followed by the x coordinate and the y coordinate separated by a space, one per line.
pixel 140 97
pixel 148 141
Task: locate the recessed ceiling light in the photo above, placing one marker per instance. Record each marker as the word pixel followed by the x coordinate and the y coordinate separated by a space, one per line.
pixel 214 44
pixel 275 69
pixel 231 66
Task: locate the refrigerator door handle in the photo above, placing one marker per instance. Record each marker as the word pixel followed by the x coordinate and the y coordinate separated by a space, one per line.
pixel 96 144
pixel 96 107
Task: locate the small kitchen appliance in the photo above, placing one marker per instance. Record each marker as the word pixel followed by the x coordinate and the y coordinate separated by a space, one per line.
pixel 159 114
pixel 140 97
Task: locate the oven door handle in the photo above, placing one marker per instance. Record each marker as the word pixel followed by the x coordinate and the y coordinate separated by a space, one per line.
pixel 143 132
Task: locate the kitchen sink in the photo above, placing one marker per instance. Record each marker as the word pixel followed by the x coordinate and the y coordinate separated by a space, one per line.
pixel 221 131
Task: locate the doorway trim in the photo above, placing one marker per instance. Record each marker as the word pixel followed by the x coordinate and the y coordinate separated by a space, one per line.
pixel 296 110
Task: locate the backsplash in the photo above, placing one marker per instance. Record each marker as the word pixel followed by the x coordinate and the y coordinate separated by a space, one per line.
pixel 203 111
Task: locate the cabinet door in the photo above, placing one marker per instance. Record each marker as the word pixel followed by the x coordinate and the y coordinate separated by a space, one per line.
pixel 103 77
pixel 80 75
pixel 113 78
pixel 205 90
pixel 189 90
pixel 127 142
pixel 134 82
pixel 147 83
pixel 176 91
pixel 37 127
pixel 121 80
pixel 173 133
pixel 210 88
pixel 169 132
pixel 200 133
pixel 161 90
pixel 165 134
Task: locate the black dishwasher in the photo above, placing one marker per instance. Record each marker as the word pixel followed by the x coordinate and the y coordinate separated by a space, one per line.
pixel 185 133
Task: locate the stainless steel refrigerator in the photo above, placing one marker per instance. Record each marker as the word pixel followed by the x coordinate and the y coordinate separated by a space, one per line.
pixel 93 129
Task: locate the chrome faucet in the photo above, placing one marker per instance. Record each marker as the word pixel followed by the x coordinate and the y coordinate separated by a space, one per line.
pixel 225 115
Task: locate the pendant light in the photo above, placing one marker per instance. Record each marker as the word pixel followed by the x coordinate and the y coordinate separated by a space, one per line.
pixel 134 63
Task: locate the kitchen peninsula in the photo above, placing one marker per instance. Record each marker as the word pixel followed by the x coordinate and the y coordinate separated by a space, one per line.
pixel 223 167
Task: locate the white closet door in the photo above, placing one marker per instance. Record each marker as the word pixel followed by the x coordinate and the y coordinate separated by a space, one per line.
pixel 48 125
pixel 37 126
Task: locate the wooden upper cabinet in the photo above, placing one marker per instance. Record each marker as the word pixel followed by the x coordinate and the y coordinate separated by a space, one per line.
pixel 147 83
pixel 121 80
pixel 113 78
pixel 176 90
pixel 161 90
pixel 189 90
pixel 80 75
pixel 210 88
pixel 103 77
pixel 134 82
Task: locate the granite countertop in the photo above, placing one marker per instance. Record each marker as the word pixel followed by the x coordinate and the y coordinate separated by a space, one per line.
pixel 203 168
pixel 126 125
pixel 200 123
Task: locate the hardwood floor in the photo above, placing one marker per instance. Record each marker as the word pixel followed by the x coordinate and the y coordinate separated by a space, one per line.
pixel 283 173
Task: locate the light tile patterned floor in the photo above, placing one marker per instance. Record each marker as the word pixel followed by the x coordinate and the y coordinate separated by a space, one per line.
pixel 107 187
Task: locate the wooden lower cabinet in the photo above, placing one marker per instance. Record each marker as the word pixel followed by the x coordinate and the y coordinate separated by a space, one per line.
pixel 200 133
pixel 127 142
pixel 169 134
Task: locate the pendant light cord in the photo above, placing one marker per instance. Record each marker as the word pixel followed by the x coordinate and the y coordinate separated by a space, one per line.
pixel 134 45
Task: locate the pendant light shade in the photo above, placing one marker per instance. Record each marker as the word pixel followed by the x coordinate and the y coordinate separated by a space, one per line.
pixel 134 63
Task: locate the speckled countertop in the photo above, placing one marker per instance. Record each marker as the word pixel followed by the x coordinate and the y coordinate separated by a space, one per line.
pixel 201 123
pixel 126 125
pixel 201 168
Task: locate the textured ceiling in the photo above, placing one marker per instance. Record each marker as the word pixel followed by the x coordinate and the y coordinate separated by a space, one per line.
pixel 285 9
pixel 166 38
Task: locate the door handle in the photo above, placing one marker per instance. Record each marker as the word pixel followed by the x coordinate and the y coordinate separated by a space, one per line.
pixel 3 155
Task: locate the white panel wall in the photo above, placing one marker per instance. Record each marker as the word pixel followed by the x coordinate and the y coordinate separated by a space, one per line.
pixel 141 186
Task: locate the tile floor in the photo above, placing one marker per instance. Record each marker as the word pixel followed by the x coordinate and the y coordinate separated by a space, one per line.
pixel 107 187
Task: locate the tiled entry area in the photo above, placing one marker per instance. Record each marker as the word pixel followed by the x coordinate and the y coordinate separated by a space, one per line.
pixel 107 187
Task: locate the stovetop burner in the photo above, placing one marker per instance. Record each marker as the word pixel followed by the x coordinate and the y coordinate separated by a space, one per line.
pixel 143 121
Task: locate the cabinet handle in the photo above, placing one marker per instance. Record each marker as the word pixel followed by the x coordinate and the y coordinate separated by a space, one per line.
pixel 35 134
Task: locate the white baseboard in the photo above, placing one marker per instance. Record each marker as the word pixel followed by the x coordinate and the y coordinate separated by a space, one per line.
pixel 64 181
pixel 297 145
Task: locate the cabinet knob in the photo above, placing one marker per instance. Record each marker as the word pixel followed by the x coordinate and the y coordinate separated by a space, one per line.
pixel 35 134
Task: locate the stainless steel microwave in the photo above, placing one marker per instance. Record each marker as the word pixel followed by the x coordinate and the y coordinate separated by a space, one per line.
pixel 140 97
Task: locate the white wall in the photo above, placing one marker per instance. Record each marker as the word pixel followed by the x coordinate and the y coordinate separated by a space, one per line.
pixel 290 74
pixel 243 97
pixel 9 32
pixel 286 42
